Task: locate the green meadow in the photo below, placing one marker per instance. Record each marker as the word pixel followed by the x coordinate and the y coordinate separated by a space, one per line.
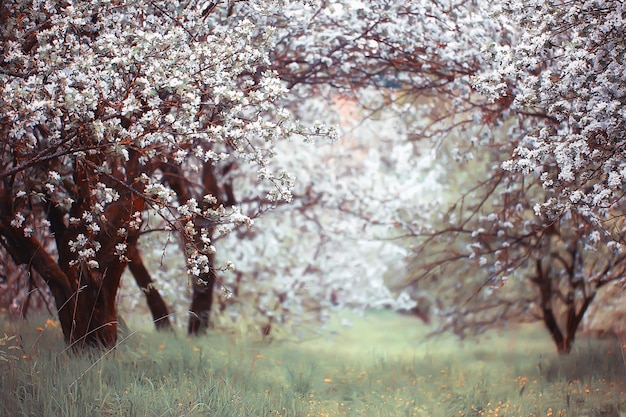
pixel 382 365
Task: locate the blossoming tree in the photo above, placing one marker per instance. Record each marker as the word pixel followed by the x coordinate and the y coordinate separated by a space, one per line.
pixel 110 108
pixel 545 221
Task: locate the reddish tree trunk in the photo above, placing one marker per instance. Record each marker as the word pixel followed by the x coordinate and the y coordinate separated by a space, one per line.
pixel 544 284
pixel 85 304
pixel 85 295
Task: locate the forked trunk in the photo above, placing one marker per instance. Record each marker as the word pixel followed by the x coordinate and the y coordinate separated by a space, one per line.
pixel 85 302
pixel 89 316
pixel 574 311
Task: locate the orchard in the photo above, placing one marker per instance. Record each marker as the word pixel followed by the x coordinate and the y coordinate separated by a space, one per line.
pixel 269 161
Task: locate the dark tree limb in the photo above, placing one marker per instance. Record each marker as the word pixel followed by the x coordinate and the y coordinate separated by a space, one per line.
pixel 156 304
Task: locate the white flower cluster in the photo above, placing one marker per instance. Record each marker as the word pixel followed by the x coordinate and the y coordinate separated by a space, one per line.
pixel 85 250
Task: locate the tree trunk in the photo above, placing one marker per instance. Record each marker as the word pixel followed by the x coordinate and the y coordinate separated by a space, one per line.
pixel 93 310
pixel 202 286
pixel 573 319
pixel 201 302
pixel 85 295
pixel 563 339
pixel 156 304
pixel 544 284
pixel 563 344
pixel 85 302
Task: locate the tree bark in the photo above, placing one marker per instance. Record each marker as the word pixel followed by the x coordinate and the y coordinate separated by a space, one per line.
pixel 563 339
pixel 201 302
pixel 544 284
pixel 202 286
pixel 156 304
pixel 85 304
pixel 574 318
pixel 85 295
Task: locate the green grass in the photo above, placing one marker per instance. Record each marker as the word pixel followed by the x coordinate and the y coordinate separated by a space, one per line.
pixel 382 366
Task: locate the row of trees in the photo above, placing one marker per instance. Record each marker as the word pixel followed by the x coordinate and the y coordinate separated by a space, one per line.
pixel 113 110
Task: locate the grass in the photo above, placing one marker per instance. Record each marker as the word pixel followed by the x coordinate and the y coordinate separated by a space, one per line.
pixel 382 366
